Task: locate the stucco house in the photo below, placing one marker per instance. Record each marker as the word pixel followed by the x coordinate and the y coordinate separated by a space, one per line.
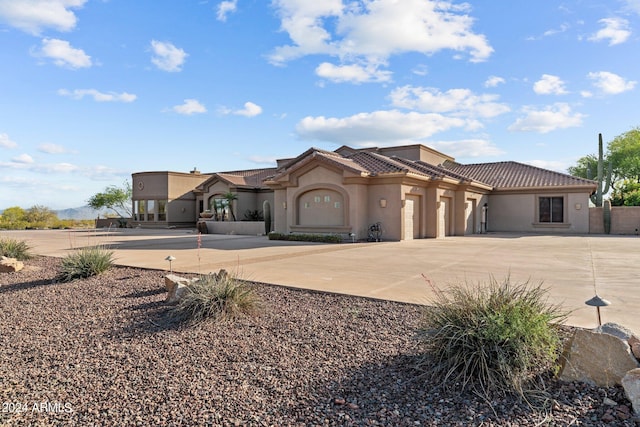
pixel 413 191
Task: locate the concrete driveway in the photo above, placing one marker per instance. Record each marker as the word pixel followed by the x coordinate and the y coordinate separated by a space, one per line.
pixel 574 268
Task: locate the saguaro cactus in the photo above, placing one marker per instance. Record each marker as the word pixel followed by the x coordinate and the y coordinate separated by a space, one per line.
pixel 601 179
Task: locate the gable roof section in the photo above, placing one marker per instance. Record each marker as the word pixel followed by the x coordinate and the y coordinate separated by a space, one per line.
pixel 513 175
pixel 315 154
pixel 252 178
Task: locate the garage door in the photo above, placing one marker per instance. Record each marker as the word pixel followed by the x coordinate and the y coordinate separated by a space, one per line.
pixel 411 217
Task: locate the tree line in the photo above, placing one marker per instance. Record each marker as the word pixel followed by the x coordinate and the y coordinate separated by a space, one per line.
pixel 623 153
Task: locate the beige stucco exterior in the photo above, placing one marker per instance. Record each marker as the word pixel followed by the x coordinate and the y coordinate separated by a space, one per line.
pixel 174 188
pixel 407 207
pixel 517 212
pixel 409 190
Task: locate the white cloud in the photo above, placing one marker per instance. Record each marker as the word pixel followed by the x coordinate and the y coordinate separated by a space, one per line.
pixel 459 102
pixel 553 117
pixel 63 54
pixel 250 110
pixel 51 148
pixel 5 142
pixel 352 73
pixel 493 81
pixel 97 95
pixel 563 27
pixel 633 5
pixel 370 32
pixel 225 8
pixel 33 16
pixel 549 85
pixel 167 57
pixel 23 158
pixel 377 128
pixel 610 83
pixel 189 107
pixel 263 160
pixel 616 30
pixel 467 148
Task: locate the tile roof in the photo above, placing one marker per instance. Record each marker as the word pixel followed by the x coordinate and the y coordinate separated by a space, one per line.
pixel 252 178
pixel 514 175
pixel 376 164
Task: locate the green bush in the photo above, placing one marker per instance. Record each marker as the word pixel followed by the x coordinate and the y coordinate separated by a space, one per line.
pixel 86 262
pixel 318 238
pixel 219 297
pixel 12 248
pixel 493 339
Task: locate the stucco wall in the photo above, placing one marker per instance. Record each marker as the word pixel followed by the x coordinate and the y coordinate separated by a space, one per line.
pixel 624 220
pixel 247 228
pixel 175 187
pixel 517 212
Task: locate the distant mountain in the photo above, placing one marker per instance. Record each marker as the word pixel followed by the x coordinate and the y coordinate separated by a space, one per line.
pixel 83 212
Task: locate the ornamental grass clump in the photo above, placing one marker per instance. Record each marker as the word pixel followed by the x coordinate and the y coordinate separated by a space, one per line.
pixel 12 248
pixel 86 262
pixel 218 297
pixel 495 339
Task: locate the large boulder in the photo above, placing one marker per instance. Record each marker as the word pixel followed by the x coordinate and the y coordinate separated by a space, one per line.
pixel 176 287
pixel 631 384
pixel 10 265
pixel 597 358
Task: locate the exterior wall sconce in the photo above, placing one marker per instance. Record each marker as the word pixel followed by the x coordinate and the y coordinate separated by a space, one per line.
pixel 284 205
pixel 578 206
pixel 383 203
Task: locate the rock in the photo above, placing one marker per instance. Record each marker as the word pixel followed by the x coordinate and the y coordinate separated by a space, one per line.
pixel 631 385
pixel 609 402
pixel 635 349
pixel 10 265
pixel 176 287
pixel 596 358
pixel 616 330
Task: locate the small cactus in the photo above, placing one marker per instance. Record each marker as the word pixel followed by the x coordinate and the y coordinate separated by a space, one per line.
pixel 266 209
pixel 606 216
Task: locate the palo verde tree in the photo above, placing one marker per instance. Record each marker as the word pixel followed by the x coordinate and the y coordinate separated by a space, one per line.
pixel 40 214
pixel 118 199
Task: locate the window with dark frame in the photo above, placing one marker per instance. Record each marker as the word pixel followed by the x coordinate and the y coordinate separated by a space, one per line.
pixel 551 209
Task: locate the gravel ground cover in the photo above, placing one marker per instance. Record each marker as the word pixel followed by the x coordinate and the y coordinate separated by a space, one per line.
pixel 104 351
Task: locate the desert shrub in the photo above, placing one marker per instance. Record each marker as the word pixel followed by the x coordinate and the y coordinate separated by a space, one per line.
pixel 86 262
pixel 318 238
pixel 13 248
pixel 495 339
pixel 219 297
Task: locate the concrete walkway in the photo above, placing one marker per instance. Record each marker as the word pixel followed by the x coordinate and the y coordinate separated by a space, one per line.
pixel 572 267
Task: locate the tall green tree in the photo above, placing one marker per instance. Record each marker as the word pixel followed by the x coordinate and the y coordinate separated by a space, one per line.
pixel 118 199
pixel 624 153
pixel 584 165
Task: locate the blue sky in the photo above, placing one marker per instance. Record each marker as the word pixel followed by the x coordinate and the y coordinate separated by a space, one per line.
pixel 94 90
